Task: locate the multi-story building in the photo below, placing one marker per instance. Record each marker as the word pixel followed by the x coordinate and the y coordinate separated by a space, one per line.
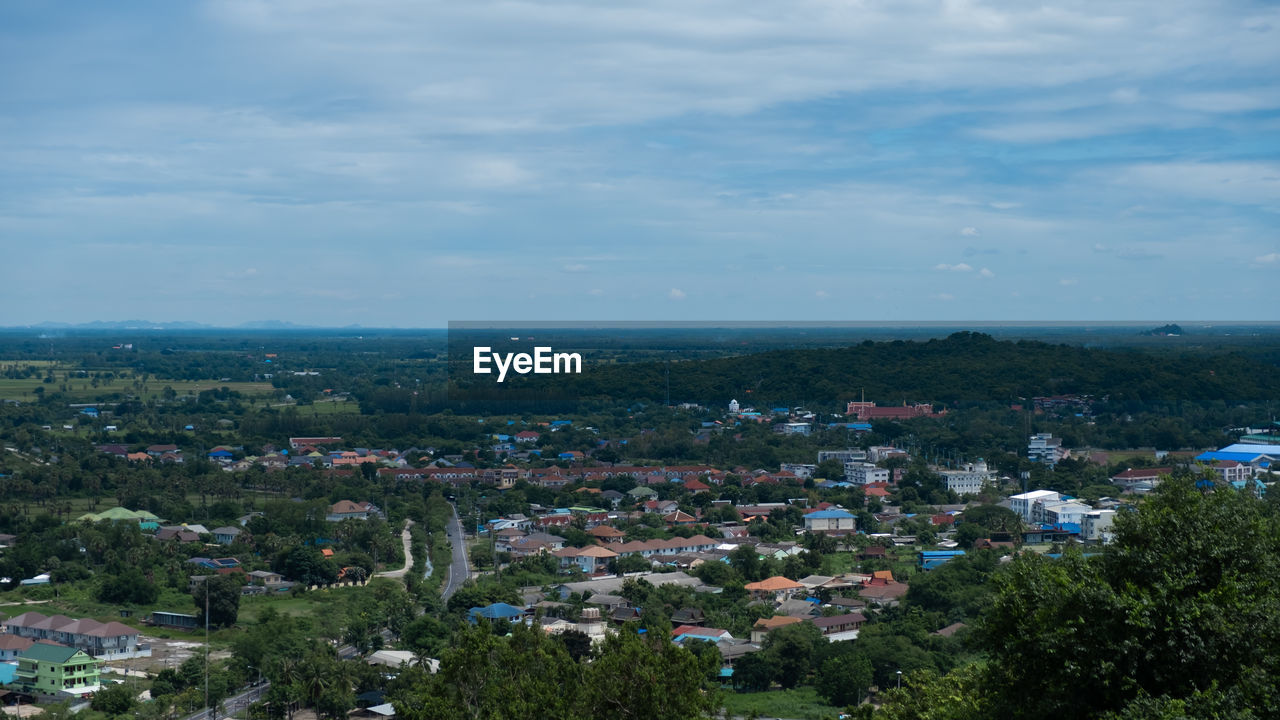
pixel 863 473
pixel 844 456
pixel 1046 449
pixel 56 670
pixel 831 521
pixel 1096 525
pixel 968 480
pixel 1024 503
pixel 105 641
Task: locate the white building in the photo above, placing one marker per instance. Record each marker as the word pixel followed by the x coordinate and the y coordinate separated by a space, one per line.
pixel 864 473
pixel 1046 449
pixel 1024 503
pixel 1057 512
pixel 845 456
pixel 801 470
pixel 1096 526
pixel 734 406
pixel 969 480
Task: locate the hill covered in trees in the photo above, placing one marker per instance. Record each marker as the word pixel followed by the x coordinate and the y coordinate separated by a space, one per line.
pixel 965 369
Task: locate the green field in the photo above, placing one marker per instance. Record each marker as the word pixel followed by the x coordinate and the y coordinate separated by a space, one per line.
pixel 81 390
pixel 801 703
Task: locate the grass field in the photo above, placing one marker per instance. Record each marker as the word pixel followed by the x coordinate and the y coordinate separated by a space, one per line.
pixel 80 390
pixel 801 703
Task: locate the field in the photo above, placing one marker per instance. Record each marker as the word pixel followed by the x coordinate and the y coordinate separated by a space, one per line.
pixel 81 390
pixel 801 703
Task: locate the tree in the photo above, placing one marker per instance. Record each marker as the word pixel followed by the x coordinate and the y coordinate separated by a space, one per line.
pixel 223 600
pixel 844 678
pixel 753 672
pixel 649 677
pixel 830 469
pixel 114 699
pixel 1181 606
pixel 790 648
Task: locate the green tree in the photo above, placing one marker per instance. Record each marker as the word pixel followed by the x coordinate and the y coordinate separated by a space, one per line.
pixel 223 600
pixel 114 699
pixel 1182 605
pixel 844 678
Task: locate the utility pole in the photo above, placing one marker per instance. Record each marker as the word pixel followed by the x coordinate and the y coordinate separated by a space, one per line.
pixel 206 646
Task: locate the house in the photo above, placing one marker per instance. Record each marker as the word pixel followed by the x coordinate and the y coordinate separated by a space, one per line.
pixel 176 534
pixel 840 627
pixel 222 566
pixel 265 577
pixel 226 535
pixel 496 611
pixel 348 510
pixel 12 645
pixel 158 450
pixel 606 533
pixel 688 616
pixel 930 559
pixel 105 641
pixel 298 442
pixel 865 473
pixel 883 593
pixel 832 521
pixel 1140 480
pixel 591 559
pixel 679 517
pixel 776 587
pixel 763 626
pixel 56 670
pixel 694 632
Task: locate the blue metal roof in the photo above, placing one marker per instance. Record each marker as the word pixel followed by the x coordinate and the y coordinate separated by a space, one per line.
pixel 830 514
pixel 497 611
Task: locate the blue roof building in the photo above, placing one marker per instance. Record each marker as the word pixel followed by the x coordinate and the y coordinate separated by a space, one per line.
pixel 496 611
pixel 930 559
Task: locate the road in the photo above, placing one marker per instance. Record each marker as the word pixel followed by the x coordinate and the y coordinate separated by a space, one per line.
pixel 459 568
pixel 408 555
pixel 235 703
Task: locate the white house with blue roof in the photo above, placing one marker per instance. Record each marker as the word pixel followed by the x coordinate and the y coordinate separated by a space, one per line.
pixel 831 520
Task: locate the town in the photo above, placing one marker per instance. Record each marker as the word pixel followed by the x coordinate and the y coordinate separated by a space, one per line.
pixel 164 576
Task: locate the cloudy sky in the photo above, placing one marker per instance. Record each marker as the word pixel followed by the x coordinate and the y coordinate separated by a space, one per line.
pixel 408 162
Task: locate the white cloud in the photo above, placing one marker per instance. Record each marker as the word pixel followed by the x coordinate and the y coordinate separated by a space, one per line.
pixel 1268 259
pixel 597 292
pixel 822 293
pixel 984 272
pixel 676 294
pixel 945 297
pixel 575 268
pixel 961 267
pixel 1068 282
pixel 969 231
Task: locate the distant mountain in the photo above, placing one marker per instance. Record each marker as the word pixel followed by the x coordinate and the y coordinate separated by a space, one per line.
pixel 1164 331
pixel 123 325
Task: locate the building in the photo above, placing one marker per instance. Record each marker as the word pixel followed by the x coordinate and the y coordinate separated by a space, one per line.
pixel 348 510
pixel 1024 503
pixel 832 520
pixel 299 442
pixel 865 473
pixel 968 480
pixel 1095 526
pixel 226 535
pixel 734 406
pixel 836 628
pixel 12 645
pixel 863 410
pixel 1060 512
pixel 803 471
pixel 181 621
pixel 843 456
pixel 56 670
pixel 776 588
pixel 1046 449
pixel 1140 480
pixel 104 641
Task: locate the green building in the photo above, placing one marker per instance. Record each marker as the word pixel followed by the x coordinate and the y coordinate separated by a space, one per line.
pixel 55 670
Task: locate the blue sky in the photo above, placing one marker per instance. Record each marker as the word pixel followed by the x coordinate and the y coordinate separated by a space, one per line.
pixel 407 163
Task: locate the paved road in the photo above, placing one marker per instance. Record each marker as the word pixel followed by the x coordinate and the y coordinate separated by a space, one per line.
pixel 459 569
pixel 408 555
pixel 235 703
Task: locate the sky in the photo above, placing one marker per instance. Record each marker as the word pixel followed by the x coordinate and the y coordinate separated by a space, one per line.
pixel 405 163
